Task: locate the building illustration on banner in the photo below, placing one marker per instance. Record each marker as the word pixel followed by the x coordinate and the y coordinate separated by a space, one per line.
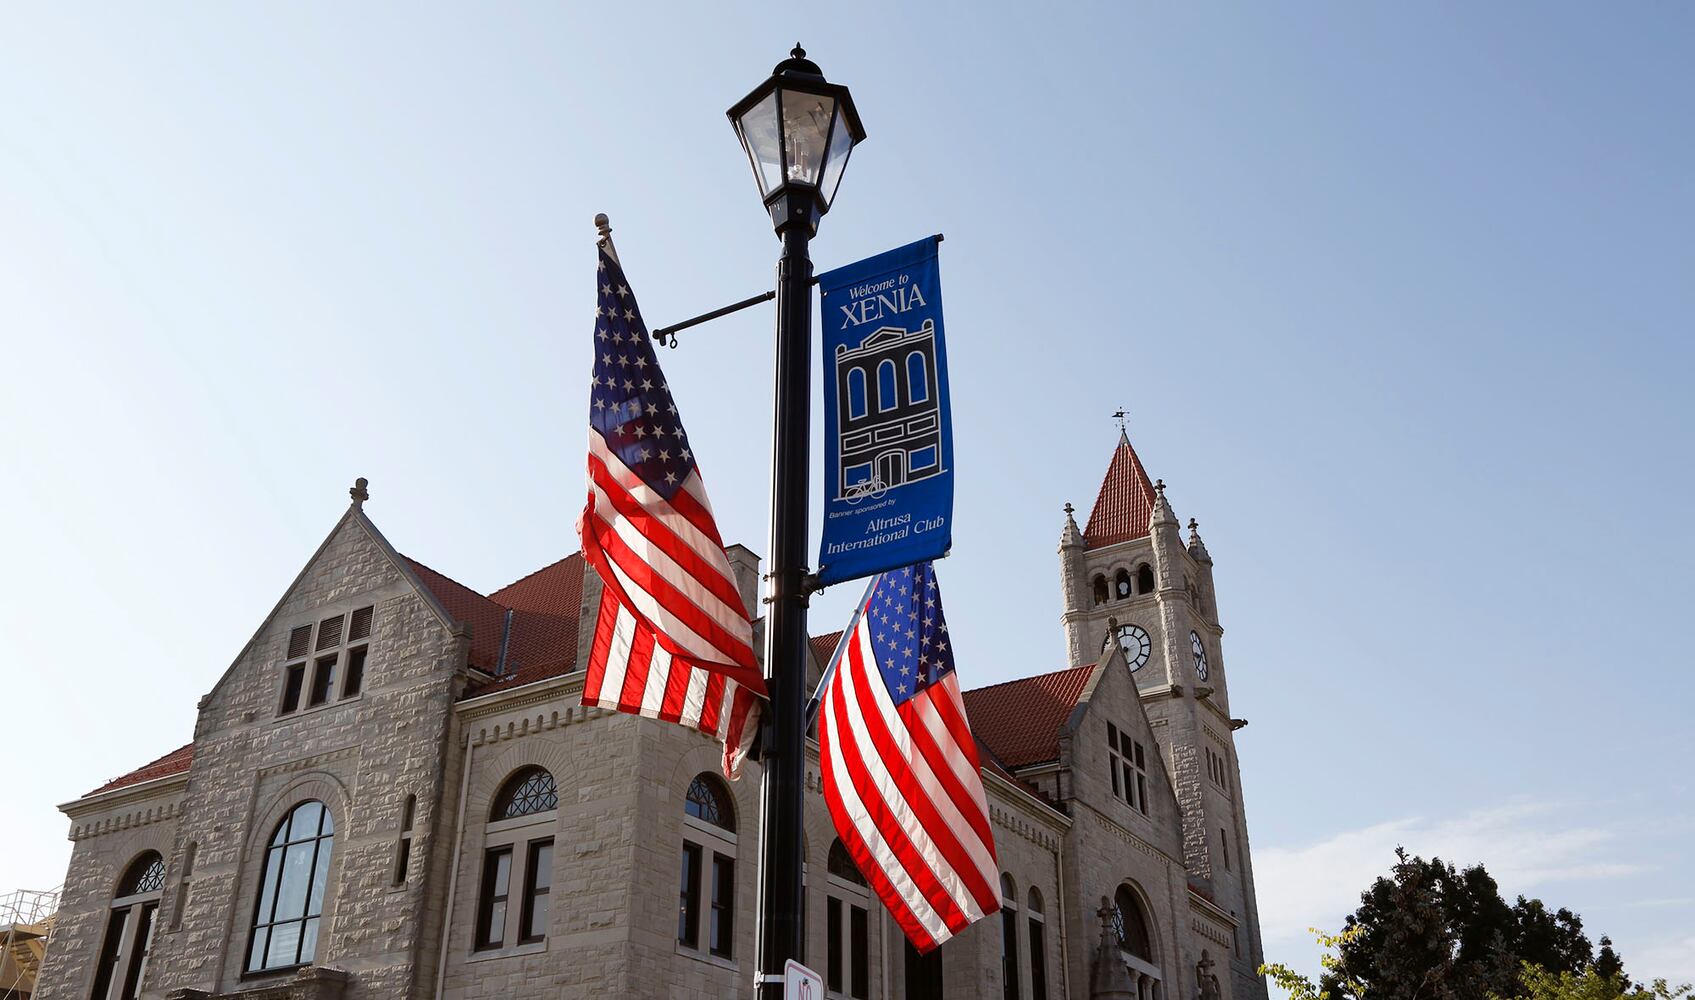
pixel 889 412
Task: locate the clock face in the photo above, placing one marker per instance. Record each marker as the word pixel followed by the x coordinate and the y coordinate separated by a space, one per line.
pixel 1135 644
pixel 1200 652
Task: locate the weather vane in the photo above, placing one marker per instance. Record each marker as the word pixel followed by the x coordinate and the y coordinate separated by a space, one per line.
pixel 1120 415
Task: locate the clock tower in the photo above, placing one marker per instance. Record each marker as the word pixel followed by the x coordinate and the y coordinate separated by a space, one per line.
pixel 1128 576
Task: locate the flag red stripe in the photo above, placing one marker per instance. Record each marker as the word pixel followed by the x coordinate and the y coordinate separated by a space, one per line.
pixel 854 842
pixel 940 829
pixel 603 624
pixel 714 577
pixel 742 667
pixel 635 678
pixel 924 741
pixel 878 808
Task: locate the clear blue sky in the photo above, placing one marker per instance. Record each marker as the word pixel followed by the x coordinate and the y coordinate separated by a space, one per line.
pixel 1399 300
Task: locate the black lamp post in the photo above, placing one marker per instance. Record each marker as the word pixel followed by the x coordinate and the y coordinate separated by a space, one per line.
pixel 798 131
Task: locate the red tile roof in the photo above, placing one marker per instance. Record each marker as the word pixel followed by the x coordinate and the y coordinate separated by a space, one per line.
pixel 824 646
pixel 1125 503
pixel 486 618
pixel 175 762
pixel 544 606
pixel 1020 720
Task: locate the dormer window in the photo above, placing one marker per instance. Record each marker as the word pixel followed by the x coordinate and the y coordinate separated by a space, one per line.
pixel 326 663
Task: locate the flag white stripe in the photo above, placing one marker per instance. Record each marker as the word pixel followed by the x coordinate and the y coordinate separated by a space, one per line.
pixel 617 658
pixel 877 769
pixel 730 618
pixel 881 853
pixel 658 675
pixel 673 627
pixel 919 767
pixel 660 508
pixel 694 700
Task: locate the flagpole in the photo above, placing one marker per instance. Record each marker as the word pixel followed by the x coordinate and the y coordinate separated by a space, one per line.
pixel 817 701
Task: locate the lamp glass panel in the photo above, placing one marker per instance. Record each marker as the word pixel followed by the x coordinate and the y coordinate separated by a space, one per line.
pixel 835 159
pixel 806 125
pixel 764 143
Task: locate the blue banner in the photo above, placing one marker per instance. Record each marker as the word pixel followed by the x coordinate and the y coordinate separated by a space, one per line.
pixel 888 434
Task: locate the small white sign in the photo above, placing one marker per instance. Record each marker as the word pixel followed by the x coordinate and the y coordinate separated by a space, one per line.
pixel 801 983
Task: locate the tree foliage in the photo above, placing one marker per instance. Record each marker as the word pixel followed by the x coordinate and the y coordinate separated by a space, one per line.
pixel 1431 931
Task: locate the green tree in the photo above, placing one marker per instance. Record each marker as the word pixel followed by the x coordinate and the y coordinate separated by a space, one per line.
pixel 1538 983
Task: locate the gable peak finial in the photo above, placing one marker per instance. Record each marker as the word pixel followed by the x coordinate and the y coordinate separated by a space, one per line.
pixel 1069 510
pixel 1159 487
pixel 359 493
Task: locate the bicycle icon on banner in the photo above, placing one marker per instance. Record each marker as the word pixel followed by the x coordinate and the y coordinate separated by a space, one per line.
pixel 865 489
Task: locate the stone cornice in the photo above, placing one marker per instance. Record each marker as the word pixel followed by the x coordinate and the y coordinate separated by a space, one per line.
pixel 119 797
pixel 310 762
pixel 531 724
pixel 141 815
pixel 523 696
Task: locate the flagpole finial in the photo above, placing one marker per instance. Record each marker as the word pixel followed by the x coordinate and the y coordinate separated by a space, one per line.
pixel 359 493
pixel 604 226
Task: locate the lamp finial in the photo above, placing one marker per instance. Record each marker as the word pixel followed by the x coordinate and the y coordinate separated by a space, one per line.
pixel 797 52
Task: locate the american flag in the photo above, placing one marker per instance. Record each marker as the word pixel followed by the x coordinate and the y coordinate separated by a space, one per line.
pixel 672 640
pixel 900 764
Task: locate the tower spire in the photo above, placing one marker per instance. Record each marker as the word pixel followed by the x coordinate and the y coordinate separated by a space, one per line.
pixel 1125 501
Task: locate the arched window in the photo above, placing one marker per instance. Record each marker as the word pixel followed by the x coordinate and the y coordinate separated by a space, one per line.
pixel 847 921
pixel 917 378
pixel 888 396
pixel 1009 939
pixel 1135 939
pixel 517 852
pixel 856 392
pixel 1121 585
pixel 1038 946
pixel 291 890
pixel 709 865
pixel 528 792
pixel 1100 590
pixel 129 929
pixel 1145 579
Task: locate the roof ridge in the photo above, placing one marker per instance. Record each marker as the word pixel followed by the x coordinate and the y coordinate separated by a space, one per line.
pixel 466 587
pixel 1030 677
pixel 535 573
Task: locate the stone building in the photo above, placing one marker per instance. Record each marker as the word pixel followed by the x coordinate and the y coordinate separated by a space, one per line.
pixel 392 782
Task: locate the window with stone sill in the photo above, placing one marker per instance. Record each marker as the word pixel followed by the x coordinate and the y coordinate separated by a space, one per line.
pixel 513 901
pixel 129 929
pixel 326 662
pixel 1127 760
pixel 289 911
pixel 706 899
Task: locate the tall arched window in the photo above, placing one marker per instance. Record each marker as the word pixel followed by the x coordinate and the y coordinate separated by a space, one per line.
pixel 917 378
pixel 856 392
pixel 1121 585
pixel 847 920
pixel 1145 579
pixel 518 851
pixel 888 396
pixel 1009 938
pixel 1038 946
pixel 1135 942
pixel 291 890
pixel 1100 590
pixel 129 929
pixel 709 863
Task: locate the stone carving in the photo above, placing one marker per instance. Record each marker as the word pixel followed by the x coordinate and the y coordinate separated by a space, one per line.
pixel 1209 988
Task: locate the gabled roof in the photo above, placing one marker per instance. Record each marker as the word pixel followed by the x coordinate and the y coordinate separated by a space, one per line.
pixel 175 762
pixel 486 618
pixel 1020 721
pixel 1125 503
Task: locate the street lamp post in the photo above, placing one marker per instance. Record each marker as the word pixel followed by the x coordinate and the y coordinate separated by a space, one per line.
pixel 798 131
